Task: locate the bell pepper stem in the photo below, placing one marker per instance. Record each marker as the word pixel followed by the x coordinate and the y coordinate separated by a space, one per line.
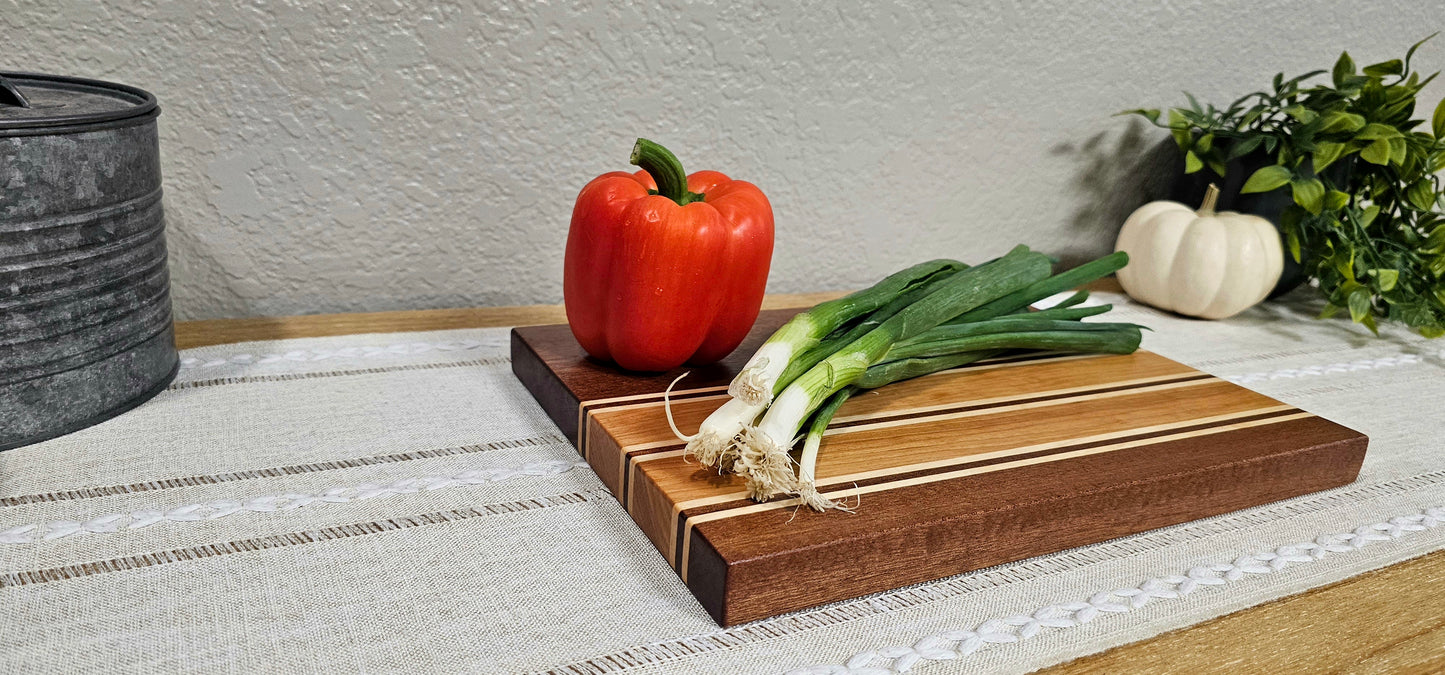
pixel 664 168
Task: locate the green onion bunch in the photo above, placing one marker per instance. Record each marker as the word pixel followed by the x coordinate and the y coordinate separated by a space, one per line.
pixel 930 317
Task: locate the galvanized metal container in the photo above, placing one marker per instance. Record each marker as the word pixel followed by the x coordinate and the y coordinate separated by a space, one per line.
pixel 85 310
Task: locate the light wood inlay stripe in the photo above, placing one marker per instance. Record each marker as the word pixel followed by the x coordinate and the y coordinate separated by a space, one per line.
pixel 694 521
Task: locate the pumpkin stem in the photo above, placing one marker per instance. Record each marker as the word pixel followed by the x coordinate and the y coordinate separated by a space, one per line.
pixel 1211 195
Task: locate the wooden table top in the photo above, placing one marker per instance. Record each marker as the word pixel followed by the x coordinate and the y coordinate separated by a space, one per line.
pixel 1388 620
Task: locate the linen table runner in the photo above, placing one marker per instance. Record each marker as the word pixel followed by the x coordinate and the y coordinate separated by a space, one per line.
pixel 398 502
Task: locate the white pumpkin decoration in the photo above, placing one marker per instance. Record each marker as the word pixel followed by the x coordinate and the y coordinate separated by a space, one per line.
pixel 1204 264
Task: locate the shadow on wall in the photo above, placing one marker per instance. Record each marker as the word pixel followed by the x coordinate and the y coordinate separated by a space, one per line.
pixel 1114 177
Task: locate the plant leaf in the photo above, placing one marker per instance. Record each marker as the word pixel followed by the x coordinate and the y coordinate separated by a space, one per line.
pixel 1397 150
pixel 1326 153
pixel 1336 121
pixel 1375 130
pixel 1368 215
pixel 1369 322
pixel 1308 193
pixel 1244 147
pixel 1436 240
pixel 1151 113
pixel 1417 46
pixel 1266 179
pixel 1377 152
pixel 1301 113
pixel 1179 128
pixel 1344 67
pixel 1336 200
pixel 1422 194
pixel 1293 240
pixel 1383 68
pixel 1359 303
pixel 1191 162
pixel 1438 123
pixel 1386 278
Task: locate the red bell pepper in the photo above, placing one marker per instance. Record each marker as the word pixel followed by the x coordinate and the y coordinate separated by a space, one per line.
pixel 657 278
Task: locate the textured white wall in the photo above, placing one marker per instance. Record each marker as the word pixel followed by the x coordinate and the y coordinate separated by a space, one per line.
pixel 377 155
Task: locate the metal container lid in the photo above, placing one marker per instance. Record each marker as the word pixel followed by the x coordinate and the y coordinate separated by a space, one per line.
pixel 37 104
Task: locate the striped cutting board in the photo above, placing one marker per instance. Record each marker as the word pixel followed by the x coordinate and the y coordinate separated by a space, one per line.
pixel 951 472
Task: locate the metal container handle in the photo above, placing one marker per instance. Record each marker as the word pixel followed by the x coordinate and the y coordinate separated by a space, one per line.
pixel 10 95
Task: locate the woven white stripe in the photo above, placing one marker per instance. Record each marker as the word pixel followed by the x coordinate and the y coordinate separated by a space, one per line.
pixel 1329 369
pixel 955 644
pixel 342 354
pixel 115 522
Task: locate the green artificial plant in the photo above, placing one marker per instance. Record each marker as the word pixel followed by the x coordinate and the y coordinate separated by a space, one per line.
pixel 1368 231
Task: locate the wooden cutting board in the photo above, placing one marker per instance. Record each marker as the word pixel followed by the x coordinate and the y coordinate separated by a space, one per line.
pixel 952 472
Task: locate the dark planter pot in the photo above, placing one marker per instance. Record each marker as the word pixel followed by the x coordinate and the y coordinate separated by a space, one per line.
pixel 1189 189
pixel 85 310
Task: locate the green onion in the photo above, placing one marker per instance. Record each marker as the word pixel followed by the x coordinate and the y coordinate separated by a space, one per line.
pixel 805 340
pixel 764 455
pixel 760 380
pixel 1075 299
pixel 807 482
pixel 831 344
pixel 898 370
pixel 1105 338
pixel 1058 283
